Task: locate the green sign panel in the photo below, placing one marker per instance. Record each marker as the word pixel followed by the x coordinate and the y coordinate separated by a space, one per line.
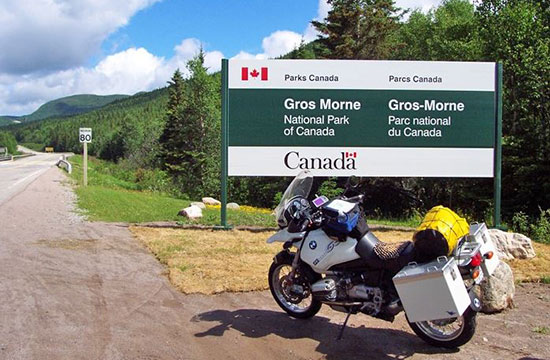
pixel 373 118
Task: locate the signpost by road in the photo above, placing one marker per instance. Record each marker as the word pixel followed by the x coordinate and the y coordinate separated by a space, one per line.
pixel 364 118
pixel 85 137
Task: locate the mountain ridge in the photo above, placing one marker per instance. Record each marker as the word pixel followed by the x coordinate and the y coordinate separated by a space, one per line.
pixel 65 106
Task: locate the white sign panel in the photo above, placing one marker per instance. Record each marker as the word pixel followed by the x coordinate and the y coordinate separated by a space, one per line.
pixel 85 135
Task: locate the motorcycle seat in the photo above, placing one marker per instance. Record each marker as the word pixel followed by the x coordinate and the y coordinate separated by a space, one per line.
pixel 388 256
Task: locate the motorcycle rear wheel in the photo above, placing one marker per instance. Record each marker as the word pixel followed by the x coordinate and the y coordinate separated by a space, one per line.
pixel 449 333
pixel 301 306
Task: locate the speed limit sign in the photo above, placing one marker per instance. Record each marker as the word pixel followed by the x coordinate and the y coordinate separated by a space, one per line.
pixel 85 135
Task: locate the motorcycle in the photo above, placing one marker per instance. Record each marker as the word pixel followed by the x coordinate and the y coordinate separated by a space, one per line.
pixel 331 257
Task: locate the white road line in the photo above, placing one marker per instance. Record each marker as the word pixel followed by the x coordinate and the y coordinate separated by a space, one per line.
pixel 27 177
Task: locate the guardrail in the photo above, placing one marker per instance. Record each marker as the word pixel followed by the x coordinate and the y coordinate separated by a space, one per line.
pixel 17 157
pixel 6 158
pixel 64 164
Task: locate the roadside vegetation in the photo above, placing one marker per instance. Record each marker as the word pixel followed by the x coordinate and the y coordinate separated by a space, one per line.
pixel 116 194
pixel 207 262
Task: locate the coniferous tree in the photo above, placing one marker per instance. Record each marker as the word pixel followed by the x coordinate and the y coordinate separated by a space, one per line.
pixel 171 140
pixel 359 29
pixel 190 141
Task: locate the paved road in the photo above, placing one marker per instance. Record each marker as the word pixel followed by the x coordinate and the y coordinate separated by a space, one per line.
pixel 16 175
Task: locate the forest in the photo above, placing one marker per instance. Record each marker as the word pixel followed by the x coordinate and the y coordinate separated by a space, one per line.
pixel 170 138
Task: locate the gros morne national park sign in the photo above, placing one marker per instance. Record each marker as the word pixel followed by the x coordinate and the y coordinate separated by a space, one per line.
pixel 365 118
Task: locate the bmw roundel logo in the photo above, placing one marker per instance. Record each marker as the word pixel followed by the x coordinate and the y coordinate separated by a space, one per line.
pixel 313 245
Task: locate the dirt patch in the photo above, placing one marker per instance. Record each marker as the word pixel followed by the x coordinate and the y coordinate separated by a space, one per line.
pixel 209 262
pixel 69 244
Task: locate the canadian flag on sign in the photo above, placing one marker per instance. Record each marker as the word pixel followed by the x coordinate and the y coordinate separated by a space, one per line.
pixel 253 75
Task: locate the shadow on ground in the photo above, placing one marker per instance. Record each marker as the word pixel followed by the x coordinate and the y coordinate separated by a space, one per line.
pixel 358 342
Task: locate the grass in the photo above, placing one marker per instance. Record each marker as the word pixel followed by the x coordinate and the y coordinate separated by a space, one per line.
pixel 99 203
pixel 33 146
pixel 208 262
pixel 533 270
pixel 113 195
pixel 543 330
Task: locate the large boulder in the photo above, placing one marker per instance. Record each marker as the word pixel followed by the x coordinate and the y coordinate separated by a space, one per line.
pixel 512 245
pixel 497 291
pixel 233 206
pixel 210 201
pixel 198 204
pixel 191 212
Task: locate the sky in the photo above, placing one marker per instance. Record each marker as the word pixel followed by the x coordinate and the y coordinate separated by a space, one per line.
pixel 57 48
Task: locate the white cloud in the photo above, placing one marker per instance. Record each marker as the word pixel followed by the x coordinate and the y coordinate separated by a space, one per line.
pixel 280 43
pixel 322 12
pixel 46 35
pixel 283 41
pixel 65 33
pixel 125 72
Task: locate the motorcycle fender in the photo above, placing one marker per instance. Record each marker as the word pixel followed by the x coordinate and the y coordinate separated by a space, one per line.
pixel 475 302
pixel 282 256
pixel 283 236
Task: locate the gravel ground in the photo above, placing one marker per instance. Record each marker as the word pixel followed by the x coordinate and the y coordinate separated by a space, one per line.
pixel 72 289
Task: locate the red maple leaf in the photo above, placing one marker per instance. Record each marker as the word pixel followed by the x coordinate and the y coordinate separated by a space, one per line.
pixel 254 73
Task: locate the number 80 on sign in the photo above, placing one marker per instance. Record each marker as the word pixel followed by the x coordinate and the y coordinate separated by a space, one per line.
pixel 85 135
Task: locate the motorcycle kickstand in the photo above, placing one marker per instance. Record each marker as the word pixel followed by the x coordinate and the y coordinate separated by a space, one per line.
pixel 341 334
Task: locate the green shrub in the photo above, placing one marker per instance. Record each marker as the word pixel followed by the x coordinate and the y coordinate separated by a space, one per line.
pixel 330 189
pixel 520 223
pixel 540 231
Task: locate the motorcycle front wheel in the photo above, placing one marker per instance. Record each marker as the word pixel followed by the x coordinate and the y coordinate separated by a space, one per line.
pixel 294 297
pixel 447 333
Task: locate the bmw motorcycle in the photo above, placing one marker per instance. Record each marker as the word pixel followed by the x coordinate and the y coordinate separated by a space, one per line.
pixel 331 257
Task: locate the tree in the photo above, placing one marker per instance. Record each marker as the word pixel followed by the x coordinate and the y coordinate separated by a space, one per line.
pixel 449 33
pixel 171 140
pixel 359 29
pixel 191 137
pixel 8 140
pixel 517 33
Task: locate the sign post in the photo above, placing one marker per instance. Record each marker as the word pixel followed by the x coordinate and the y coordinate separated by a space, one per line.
pixel 85 137
pixel 363 118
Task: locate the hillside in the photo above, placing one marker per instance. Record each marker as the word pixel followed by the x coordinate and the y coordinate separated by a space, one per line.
pixel 66 106
pixel 129 117
pixel 8 120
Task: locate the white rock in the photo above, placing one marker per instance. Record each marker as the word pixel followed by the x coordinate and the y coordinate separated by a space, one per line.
pixel 191 212
pixel 497 291
pixel 512 245
pixel 198 204
pixel 210 201
pixel 233 206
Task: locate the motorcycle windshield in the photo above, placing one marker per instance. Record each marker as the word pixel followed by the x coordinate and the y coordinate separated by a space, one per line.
pixel 300 186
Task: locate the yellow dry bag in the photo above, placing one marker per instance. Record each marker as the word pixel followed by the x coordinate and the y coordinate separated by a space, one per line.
pixel 439 232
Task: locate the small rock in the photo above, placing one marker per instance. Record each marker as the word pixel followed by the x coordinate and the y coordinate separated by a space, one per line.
pixel 210 201
pixel 198 204
pixel 191 212
pixel 497 291
pixel 512 245
pixel 485 339
pixel 233 206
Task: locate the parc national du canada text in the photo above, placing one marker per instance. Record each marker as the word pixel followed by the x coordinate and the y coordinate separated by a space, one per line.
pixel 418 124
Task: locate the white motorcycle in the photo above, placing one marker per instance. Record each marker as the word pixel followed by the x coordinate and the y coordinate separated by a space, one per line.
pixel 337 261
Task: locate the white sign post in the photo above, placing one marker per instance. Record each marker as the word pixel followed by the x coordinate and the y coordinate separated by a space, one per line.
pixel 85 137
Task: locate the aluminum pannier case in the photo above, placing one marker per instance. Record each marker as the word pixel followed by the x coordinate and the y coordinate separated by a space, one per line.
pixel 480 234
pixel 432 291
